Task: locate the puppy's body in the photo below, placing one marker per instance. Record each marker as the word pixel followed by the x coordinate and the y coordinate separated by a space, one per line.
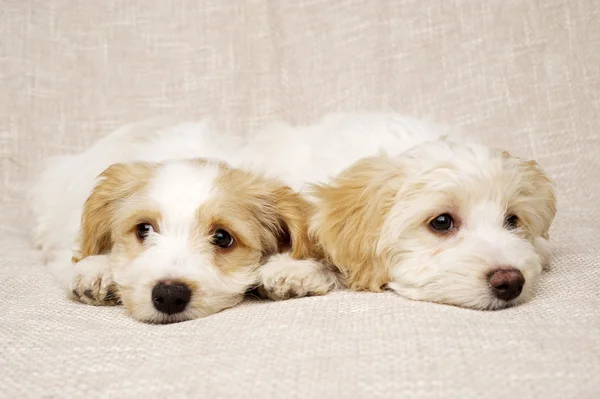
pixel 304 155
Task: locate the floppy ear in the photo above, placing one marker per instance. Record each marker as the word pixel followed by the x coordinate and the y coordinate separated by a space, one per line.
pixel 349 216
pixel 536 194
pixel 540 205
pixel 542 197
pixel 114 185
pixel 281 212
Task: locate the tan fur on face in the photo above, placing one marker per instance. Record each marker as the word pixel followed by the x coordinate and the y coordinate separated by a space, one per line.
pixel 350 216
pixel 539 183
pixel 533 180
pixel 279 210
pixel 125 230
pixel 263 216
pixel 274 216
pixel 115 185
pixel 352 209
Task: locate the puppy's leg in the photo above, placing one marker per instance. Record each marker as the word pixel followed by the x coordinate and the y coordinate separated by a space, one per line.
pixel 283 277
pixel 88 281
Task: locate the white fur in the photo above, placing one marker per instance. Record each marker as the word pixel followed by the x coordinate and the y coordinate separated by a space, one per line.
pixel 283 277
pixel 479 188
pixel 476 187
pixel 177 190
pixel 91 281
pixel 300 156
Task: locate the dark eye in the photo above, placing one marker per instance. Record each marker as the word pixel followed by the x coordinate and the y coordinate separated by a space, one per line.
pixel 511 222
pixel 223 239
pixel 442 223
pixel 142 230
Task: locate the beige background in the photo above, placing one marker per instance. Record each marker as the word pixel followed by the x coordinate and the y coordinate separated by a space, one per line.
pixel 521 74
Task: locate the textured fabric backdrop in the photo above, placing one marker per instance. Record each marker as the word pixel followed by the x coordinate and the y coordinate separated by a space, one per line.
pixel 521 74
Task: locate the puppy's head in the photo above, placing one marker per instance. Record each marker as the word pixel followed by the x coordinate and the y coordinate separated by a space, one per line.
pixel 185 238
pixel 451 223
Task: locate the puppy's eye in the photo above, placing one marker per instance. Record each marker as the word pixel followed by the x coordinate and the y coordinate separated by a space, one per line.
pixel 511 222
pixel 142 230
pixel 222 239
pixel 442 223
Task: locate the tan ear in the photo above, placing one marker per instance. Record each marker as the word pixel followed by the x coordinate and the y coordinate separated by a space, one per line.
pixel 542 197
pixel 349 217
pixel 282 212
pixel 293 213
pixel 114 185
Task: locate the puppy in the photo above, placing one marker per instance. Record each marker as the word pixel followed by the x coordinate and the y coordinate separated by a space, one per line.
pixel 179 240
pixel 446 222
pixel 171 237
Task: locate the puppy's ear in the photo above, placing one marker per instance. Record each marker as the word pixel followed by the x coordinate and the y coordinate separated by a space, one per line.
pixel 539 197
pixel 282 213
pixel 293 212
pixel 349 216
pixel 538 203
pixel 114 185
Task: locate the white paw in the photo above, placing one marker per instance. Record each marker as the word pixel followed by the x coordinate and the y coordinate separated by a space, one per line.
pixel 283 277
pixel 92 282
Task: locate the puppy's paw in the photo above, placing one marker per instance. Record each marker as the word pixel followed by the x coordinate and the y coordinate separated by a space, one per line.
pixel 92 282
pixel 283 277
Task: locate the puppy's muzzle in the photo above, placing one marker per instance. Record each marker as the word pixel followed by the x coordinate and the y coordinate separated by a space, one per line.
pixel 170 298
pixel 507 283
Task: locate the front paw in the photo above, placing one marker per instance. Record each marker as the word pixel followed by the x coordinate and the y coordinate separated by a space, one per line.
pixel 284 278
pixel 92 283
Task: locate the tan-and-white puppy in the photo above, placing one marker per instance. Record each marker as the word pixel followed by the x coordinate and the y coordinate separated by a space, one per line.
pixel 170 236
pixel 178 240
pixel 445 222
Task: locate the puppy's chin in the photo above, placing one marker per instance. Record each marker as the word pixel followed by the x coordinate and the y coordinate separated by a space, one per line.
pixel 475 296
pixel 201 288
pixel 145 312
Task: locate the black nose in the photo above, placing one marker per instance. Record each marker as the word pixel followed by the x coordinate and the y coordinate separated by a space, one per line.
pixel 507 283
pixel 170 298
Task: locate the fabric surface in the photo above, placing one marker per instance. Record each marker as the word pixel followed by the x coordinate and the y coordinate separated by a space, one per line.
pixel 524 75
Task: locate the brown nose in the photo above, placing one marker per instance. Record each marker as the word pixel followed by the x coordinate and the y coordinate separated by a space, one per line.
pixel 507 283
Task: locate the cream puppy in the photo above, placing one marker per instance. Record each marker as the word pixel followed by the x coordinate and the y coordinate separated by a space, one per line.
pixel 444 222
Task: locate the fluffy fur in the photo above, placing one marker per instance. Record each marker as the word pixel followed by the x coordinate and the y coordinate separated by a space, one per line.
pixel 185 203
pixel 374 222
pixel 371 212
